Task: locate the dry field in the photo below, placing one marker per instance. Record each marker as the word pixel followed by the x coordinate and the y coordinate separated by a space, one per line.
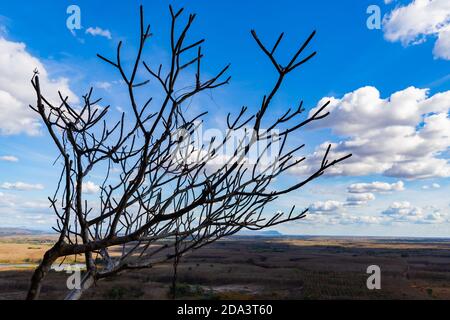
pixel 259 268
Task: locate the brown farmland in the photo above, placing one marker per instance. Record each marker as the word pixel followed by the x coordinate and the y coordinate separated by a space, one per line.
pixel 258 268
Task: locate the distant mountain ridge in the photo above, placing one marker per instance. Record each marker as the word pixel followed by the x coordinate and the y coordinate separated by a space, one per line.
pixel 264 233
pixel 4 232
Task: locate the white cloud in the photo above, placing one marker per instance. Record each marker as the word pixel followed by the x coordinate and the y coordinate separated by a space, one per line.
pixel 35 204
pixel 361 197
pixel 358 199
pixel 6 200
pixel 3 30
pixel 97 31
pixel 5 22
pixel 402 208
pixel 432 186
pixel 413 23
pixel 402 136
pixel 345 218
pixel 420 169
pixel 103 85
pixel 9 158
pixel 90 187
pixel 351 219
pixel 436 185
pixel 28 212
pixel 442 47
pixel 16 92
pixel 359 194
pixel 376 186
pixel 325 206
pixel 21 186
pixel 403 211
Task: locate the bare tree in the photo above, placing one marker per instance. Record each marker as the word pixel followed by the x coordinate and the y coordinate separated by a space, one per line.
pixel 161 197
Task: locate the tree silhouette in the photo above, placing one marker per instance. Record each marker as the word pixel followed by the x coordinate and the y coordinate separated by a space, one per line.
pixel 162 194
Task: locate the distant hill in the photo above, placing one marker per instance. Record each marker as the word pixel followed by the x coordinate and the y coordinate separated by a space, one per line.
pixel 5 232
pixel 265 233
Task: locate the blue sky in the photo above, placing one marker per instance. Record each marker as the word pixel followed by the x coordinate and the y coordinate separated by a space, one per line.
pixel 398 182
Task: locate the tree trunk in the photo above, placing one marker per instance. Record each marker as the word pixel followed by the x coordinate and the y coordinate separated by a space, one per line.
pixel 40 273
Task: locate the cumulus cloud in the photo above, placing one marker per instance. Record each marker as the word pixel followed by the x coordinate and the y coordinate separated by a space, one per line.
pixel 351 219
pixel 413 23
pixel 359 194
pixel 16 92
pixel 15 208
pixel 335 213
pixel 376 186
pixel 21 186
pixel 403 211
pixel 401 136
pixel 90 187
pixel 345 218
pixel 432 186
pixel 97 31
pixel 9 158
pixel 402 208
pixel 325 206
pixel 103 85
pixel 14 201
pixel 358 199
pixel 442 46
pixel 5 201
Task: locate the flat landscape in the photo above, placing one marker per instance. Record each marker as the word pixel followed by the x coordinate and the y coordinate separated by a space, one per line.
pixel 257 268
